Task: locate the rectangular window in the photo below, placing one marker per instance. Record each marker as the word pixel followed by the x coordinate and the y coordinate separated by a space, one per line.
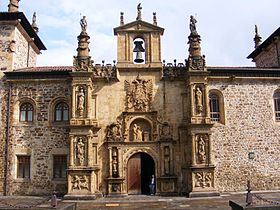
pixel 59 166
pixel 214 108
pixel 23 167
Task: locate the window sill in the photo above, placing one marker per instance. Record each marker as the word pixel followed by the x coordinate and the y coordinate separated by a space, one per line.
pixel 21 180
pixel 59 180
pixel 61 123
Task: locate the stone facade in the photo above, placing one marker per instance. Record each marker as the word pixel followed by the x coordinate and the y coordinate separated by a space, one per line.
pixel 249 128
pixel 133 119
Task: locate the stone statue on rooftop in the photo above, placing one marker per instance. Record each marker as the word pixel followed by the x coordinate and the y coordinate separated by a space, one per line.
pixel 83 23
pixel 139 15
pixel 34 24
pixel 193 22
pixel 13 6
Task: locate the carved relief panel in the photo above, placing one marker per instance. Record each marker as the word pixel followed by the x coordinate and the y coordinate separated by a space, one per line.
pixel 80 182
pixel 114 132
pixel 139 94
pixel 203 179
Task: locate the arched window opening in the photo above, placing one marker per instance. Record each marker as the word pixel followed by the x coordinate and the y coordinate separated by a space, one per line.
pixel 139 51
pixel 61 112
pixel 26 112
pixel 214 107
pixel 276 98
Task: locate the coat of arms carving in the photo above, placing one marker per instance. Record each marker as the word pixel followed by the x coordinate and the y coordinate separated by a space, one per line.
pixel 139 94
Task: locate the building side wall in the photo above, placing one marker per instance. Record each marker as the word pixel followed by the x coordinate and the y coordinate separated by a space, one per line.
pixel 6 36
pixel 269 57
pixel 40 139
pixel 249 128
pixel 24 55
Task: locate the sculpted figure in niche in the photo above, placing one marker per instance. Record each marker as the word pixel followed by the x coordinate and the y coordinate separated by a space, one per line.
pixel 81 101
pixel 80 151
pixel 115 166
pixel 201 147
pixel 137 133
pixel 166 160
pixel 198 99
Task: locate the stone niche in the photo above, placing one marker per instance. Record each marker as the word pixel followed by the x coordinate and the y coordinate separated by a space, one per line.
pixel 140 130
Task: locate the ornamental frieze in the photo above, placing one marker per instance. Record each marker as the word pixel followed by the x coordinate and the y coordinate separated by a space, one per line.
pixel 138 95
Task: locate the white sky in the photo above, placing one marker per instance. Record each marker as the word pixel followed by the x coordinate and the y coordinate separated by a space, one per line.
pixel 226 27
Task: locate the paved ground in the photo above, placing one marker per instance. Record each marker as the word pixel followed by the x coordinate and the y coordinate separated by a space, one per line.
pixel 141 202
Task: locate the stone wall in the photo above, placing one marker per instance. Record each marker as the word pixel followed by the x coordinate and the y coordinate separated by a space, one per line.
pixel 39 139
pixel 3 107
pixel 249 128
pixel 6 35
pixel 24 56
pixel 269 57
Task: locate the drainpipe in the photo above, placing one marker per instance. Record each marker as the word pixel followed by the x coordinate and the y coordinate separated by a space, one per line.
pixel 7 140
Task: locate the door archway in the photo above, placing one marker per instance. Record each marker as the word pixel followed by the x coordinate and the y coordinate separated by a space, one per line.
pixel 140 168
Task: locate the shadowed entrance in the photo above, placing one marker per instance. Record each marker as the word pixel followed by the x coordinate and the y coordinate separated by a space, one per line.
pixel 140 168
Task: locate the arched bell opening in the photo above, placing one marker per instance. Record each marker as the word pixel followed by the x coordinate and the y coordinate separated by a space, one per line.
pixel 139 51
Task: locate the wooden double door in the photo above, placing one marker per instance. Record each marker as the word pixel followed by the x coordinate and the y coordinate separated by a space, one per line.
pixel 140 168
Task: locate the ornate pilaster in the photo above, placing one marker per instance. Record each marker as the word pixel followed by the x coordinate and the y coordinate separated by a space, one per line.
pixel 198 168
pixel 83 170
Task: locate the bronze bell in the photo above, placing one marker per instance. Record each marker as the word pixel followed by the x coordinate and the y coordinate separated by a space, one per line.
pixel 138 49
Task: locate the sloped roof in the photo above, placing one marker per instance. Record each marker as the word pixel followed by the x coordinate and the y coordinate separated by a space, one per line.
pixel 8 16
pixel 265 44
pixel 46 69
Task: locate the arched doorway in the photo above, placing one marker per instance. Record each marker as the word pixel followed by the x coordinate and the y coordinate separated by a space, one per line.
pixel 140 168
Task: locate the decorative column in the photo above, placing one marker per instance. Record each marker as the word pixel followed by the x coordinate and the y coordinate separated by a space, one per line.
pixel 199 170
pixel 83 169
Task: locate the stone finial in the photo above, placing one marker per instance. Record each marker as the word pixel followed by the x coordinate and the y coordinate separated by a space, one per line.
pixel 257 38
pixel 139 13
pixel 196 61
pixel 34 24
pixel 13 6
pixel 154 18
pixel 83 23
pixel 121 19
pixel 194 39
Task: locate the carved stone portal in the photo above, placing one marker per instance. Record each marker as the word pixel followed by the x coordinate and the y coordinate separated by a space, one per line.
pixel 138 95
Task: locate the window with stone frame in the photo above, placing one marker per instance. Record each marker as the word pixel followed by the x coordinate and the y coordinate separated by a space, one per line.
pixel 59 166
pixel 23 166
pixel 276 99
pixel 26 112
pixel 214 105
pixel 61 112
